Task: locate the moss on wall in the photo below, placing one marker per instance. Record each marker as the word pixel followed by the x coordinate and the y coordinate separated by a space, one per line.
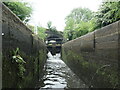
pixel 21 70
pixel 22 62
pixel 93 74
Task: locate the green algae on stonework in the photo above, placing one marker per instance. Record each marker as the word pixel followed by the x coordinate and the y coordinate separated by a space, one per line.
pixel 110 76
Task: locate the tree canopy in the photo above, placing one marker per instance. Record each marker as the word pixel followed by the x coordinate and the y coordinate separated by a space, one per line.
pixel 108 13
pixel 53 29
pixel 22 9
pixel 82 20
pixel 50 27
pixel 80 14
pixel 79 22
pixel 41 32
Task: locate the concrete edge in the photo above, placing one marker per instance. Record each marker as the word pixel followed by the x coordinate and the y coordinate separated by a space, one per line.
pixel 0 45
pixel 94 32
pixel 4 6
pixel 119 53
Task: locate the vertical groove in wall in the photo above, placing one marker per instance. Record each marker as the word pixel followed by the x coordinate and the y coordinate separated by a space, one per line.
pixel 9 35
pixel 119 54
pixel 0 45
pixel 94 41
pixel 17 35
pixel 104 60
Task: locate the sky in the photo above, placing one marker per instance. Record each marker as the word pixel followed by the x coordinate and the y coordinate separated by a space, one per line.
pixel 56 11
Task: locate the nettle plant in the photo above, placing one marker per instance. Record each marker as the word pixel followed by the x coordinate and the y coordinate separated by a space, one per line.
pixel 19 61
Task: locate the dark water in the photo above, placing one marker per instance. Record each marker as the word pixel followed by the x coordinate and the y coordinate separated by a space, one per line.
pixel 59 75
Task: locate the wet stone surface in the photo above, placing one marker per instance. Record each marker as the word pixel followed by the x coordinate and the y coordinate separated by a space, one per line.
pixel 58 75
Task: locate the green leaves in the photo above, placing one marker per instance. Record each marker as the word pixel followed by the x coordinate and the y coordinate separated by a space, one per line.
pixel 80 14
pixel 50 27
pixel 21 9
pixel 41 32
pixel 18 60
pixel 79 22
pixel 108 13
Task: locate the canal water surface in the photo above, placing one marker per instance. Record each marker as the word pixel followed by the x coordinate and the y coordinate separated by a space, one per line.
pixel 58 75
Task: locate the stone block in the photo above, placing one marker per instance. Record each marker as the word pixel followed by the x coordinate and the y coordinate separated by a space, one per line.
pixel 107 38
pixel 107 45
pixel 107 54
pixel 87 42
pixel 107 30
pixel 17 35
pixel 97 49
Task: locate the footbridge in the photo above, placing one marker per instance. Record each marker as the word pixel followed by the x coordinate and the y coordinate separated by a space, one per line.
pixel 53 42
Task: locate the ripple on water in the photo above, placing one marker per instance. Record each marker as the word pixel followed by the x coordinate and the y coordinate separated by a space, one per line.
pixel 58 75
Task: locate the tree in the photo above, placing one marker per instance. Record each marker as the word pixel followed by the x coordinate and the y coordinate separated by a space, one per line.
pixel 41 32
pixel 108 13
pixel 50 27
pixel 85 27
pixel 80 14
pixel 21 9
pixel 79 22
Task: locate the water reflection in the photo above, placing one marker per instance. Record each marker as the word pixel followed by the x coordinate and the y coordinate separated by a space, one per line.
pixel 59 75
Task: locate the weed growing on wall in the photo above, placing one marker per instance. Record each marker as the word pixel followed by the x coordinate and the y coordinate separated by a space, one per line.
pixel 20 62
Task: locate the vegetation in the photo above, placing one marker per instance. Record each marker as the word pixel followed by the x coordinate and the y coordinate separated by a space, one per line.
pixel 53 28
pixel 79 22
pixel 108 13
pixel 20 63
pixel 22 9
pixel 82 20
pixel 97 74
pixel 50 27
pixel 31 27
pixel 41 32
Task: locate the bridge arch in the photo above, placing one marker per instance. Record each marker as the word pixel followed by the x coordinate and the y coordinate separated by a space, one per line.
pixel 54 42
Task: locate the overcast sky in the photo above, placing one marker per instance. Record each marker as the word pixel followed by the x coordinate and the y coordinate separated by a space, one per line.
pixel 57 10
